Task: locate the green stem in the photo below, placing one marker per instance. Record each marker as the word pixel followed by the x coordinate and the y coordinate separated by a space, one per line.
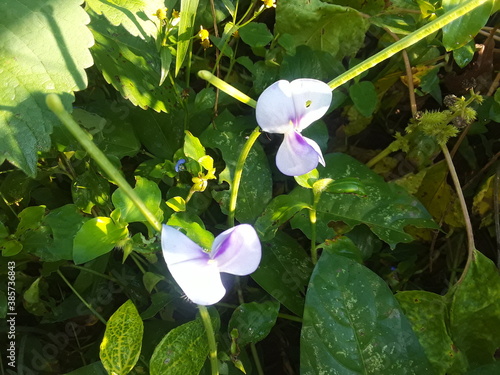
pixel 312 219
pixel 238 172
pixel 227 88
pixel 81 298
pixel 212 345
pixel 468 225
pixel 382 154
pixel 255 355
pixel 55 105
pixel 406 42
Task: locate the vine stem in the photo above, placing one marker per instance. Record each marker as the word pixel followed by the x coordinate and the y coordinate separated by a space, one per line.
pixel 468 225
pixel 227 88
pixel 212 345
pixel 312 219
pixel 406 42
pixel 88 305
pixel 55 105
pixel 238 173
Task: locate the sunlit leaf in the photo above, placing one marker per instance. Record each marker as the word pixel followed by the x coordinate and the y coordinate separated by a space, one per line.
pixel 121 344
pixel 353 325
pixel 28 30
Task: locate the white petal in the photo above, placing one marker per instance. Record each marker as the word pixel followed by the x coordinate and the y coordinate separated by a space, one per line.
pixel 237 250
pixel 311 99
pixel 191 267
pixel 275 111
pixel 298 155
pixel 199 280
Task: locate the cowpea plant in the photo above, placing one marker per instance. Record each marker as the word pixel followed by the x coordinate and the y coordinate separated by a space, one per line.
pixel 295 204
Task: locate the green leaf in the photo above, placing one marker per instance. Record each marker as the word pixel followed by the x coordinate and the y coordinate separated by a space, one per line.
pixel 96 237
pixel 254 321
pixel 95 368
pixel 307 180
pixel 193 147
pixel 256 34
pixel 132 65
pixel 353 325
pixel 182 351
pixel 387 208
pixel 148 192
pixel 29 29
pixel 166 60
pixel 475 311
pixel 121 345
pixel 65 222
pixel 284 271
pixel 228 135
pixel 322 26
pixel 461 31
pixel 278 211
pixel 177 204
pixel 193 227
pixel 89 189
pixel 31 299
pixel 428 314
pixel 135 16
pixel 364 97
pixel 186 28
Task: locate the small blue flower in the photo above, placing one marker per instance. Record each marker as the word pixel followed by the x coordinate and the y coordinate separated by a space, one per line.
pixel 288 108
pixel 180 165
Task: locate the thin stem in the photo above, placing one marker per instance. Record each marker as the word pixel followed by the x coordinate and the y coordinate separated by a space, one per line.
pixel 55 105
pixel 312 219
pixel 382 154
pixel 212 345
pixel 227 88
pixel 238 172
pixel 406 42
pixel 258 366
pixel 81 298
pixel 496 206
pixel 468 225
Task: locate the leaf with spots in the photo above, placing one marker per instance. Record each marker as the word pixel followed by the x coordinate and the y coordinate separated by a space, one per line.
pixel 44 48
pixel 228 135
pixel 121 345
pixel 387 209
pixel 353 324
pixel 182 351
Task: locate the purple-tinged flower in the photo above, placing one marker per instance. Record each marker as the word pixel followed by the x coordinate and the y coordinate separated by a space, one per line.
pixel 236 251
pixel 288 108
pixel 179 166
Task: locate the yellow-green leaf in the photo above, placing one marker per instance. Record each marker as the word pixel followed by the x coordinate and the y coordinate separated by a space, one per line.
pixel 121 345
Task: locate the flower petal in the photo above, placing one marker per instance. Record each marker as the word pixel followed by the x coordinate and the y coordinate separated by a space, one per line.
pixel 199 280
pixel 191 267
pixel 311 99
pixel 298 155
pixel 275 111
pixel 237 250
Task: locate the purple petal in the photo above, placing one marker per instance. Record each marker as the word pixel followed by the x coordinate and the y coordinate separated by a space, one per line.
pixel 311 99
pixel 191 267
pixel 275 111
pixel 237 250
pixel 298 155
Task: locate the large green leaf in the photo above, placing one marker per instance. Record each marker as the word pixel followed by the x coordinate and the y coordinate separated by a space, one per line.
pixel 96 237
pixel 387 208
pixel 228 135
pixel 132 65
pixel 461 31
pixel 284 271
pixel 475 311
pixel 332 28
pixel 428 314
pixel 121 344
pixel 186 26
pixel 182 351
pixel 148 192
pixel 136 16
pixel 43 48
pixel 353 325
